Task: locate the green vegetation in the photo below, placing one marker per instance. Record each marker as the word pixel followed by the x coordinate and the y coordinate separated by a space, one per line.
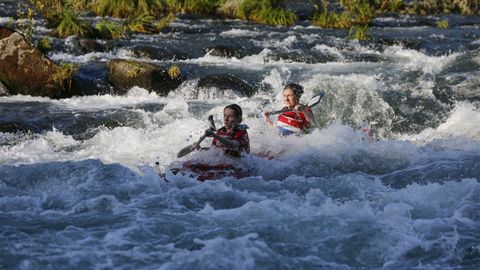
pixel 71 24
pixel 27 24
pixel 140 24
pixel 274 16
pixel 327 19
pixel 360 11
pixel 359 32
pixel 355 13
pixel 44 44
pixel 266 12
pixel 206 7
pixel 134 69
pixel 426 7
pixel 174 71
pixel 50 9
pixel 118 8
pixel 443 24
pixel 109 30
pixel 164 22
pixel 149 16
pixel 63 76
pixel 386 6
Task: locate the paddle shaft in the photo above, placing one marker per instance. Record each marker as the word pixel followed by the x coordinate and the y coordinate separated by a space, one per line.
pixel 188 149
pixel 282 111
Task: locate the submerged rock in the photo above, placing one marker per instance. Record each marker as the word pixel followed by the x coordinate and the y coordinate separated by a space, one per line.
pixel 125 74
pixel 158 52
pixel 227 82
pixel 226 51
pixel 91 79
pixel 91 45
pixel 14 127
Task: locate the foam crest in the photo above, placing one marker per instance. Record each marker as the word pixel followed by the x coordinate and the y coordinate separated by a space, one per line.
pixel 134 96
pixel 463 122
pixel 239 33
pixel 353 99
pixel 413 60
pixel 330 51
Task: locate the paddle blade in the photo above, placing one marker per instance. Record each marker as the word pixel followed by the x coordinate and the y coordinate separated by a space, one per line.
pixel 211 123
pixel 185 151
pixel 315 100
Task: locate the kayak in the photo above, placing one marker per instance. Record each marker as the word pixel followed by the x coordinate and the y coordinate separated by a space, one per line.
pixel 204 171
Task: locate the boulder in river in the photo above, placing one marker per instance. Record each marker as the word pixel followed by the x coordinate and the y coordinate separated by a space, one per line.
pixel 26 70
pixel 125 74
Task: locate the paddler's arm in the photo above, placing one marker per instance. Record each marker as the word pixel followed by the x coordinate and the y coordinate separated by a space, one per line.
pixel 307 112
pixel 266 116
pixel 232 144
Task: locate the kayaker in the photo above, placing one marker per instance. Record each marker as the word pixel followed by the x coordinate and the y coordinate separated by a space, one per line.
pixel 297 121
pixel 233 136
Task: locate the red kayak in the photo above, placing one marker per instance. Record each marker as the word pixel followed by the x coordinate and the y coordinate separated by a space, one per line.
pixel 205 171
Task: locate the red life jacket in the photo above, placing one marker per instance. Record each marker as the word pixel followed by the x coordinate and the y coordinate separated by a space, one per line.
pixel 293 122
pixel 240 135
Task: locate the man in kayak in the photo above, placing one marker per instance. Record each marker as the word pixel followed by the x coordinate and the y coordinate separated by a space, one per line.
pixel 296 121
pixel 233 136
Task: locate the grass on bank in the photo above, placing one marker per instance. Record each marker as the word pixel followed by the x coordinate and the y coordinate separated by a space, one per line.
pixel 359 32
pixel 266 12
pixel 147 16
pixel 71 24
pixel 109 30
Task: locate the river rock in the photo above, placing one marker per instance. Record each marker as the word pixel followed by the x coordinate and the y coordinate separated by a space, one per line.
pixel 91 79
pixel 158 53
pixel 125 74
pixel 14 127
pixel 227 82
pixel 25 70
pixel 5 32
pixel 91 45
pixel 3 90
pixel 226 51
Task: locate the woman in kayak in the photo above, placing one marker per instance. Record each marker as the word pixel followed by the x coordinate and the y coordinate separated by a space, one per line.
pixel 296 121
pixel 233 136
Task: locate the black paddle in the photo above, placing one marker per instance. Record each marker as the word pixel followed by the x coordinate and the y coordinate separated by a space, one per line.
pixel 189 148
pixel 312 102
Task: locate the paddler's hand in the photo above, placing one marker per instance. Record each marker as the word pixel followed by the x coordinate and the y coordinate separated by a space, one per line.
pixel 209 132
pixel 196 146
pixel 266 116
pixel 299 108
